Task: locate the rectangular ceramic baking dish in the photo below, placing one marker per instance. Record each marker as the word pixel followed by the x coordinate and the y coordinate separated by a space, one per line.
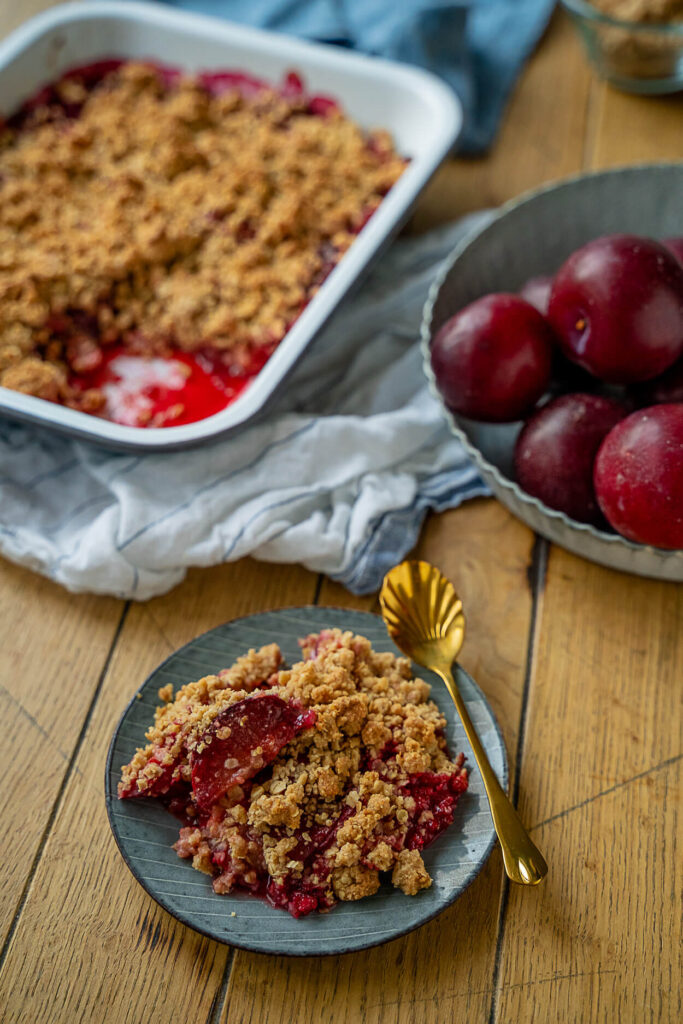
pixel 422 114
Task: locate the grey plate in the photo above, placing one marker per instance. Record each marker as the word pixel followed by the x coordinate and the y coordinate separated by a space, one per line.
pixel 144 830
pixel 530 236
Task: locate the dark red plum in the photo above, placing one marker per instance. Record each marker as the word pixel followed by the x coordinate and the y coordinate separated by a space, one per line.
pixel 668 387
pixel 616 306
pixel 674 245
pixel 536 291
pixel 639 476
pixel 492 359
pixel 556 449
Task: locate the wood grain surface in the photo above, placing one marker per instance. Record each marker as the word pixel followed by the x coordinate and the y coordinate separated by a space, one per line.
pixel 583 667
pixel 46 696
pixel 102 937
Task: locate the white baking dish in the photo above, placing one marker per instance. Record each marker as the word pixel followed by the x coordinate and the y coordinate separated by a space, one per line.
pixel 422 114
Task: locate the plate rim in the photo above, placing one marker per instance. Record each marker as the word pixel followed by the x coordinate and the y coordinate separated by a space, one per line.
pixel 184 918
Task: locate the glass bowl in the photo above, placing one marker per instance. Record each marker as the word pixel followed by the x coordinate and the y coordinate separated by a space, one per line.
pixel 641 57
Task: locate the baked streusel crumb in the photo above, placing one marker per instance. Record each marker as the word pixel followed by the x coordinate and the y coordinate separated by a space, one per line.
pixel 304 785
pixel 158 211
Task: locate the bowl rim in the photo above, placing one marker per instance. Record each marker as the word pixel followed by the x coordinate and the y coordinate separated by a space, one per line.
pixel 502 481
pixel 586 11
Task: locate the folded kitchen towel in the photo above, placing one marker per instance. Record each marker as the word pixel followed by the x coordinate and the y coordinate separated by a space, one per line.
pixel 338 476
pixel 477 46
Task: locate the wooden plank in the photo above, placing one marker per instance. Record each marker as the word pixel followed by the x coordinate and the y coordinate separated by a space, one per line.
pixel 601 762
pixel 337 596
pixel 443 971
pixel 541 137
pixel 601 777
pixel 90 943
pixel 635 129
pixel 53 647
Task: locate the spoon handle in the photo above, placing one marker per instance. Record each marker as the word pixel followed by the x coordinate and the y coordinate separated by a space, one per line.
pixel 524 862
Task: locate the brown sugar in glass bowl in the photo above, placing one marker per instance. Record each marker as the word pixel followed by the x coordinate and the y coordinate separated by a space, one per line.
pixel 636 44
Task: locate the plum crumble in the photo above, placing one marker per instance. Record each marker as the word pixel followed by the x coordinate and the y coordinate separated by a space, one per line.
pixel 148 213
pixel 303 785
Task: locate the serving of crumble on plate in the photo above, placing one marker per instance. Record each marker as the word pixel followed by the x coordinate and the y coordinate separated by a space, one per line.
pixel 161 232
pixel 308 776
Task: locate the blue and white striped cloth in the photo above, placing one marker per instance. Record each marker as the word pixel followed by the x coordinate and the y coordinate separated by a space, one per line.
pixel 477 46
pixel 338 477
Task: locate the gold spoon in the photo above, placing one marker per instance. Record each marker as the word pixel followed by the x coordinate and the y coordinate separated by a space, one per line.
pixel 424 617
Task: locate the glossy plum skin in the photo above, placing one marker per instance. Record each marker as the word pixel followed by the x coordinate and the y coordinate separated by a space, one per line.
pixel 556 449
pixel 492 360
pixel 536 291
pixel 639 476
pixel 616 306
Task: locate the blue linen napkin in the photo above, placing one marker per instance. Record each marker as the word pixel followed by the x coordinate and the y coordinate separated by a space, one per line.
pixel 338 476
pixel 477 46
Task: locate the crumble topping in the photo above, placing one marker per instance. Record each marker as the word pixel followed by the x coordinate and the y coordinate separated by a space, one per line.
pixel 343 772
pixel 409 873
pixel 160 211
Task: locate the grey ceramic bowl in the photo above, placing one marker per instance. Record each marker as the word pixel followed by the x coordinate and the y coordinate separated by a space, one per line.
pixel 531 236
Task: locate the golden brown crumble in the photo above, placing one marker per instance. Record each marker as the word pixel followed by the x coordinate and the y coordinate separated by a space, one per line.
pixel 359 792
pixel 169 216
pixel 410 874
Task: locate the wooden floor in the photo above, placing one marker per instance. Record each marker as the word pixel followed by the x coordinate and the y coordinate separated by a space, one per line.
pixel 584 668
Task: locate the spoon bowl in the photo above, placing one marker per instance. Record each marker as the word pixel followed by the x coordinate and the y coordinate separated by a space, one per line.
pixel 423 613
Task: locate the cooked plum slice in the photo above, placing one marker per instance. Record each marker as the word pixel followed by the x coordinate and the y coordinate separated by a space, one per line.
pixel 240 741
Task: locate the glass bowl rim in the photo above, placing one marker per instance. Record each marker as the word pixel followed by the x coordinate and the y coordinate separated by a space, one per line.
pixel 586 11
